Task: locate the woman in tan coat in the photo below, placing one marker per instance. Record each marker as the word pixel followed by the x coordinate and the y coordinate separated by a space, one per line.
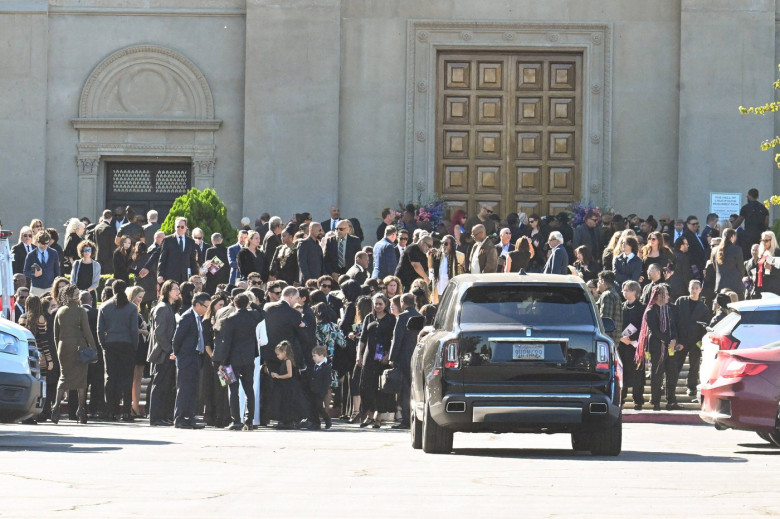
pixel 71 333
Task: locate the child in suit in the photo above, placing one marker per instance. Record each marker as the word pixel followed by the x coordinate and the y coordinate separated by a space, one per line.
pixel 318 380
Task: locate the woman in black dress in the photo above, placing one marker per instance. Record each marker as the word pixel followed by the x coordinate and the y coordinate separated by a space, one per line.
pixel 73 237
pixel 123 257
pixel 344 358
pixel 538 236
pixel 585 265
pixel 215 395
pixel 250 258
pixel 148 282
pixel 34 320
pixel 135 295
pixel 373 357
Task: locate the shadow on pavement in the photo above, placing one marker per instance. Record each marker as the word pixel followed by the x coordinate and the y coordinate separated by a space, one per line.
pixel 52 442
pixel 762 449
pixel 664 457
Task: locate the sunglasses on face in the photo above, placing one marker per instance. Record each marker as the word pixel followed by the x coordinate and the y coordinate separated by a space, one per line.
pixel 26 235
pixel 403 238
pixel 180 227
pixel 87 250
pixel 341 228
pixel 276 293
pixel 489 211
pixel 326 286
pixel 254 283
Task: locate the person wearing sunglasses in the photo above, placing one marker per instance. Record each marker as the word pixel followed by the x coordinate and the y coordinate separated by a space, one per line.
pixel 340 250
pixel 86 271
pixel 178 259
pixel 22 248
pixel 483 217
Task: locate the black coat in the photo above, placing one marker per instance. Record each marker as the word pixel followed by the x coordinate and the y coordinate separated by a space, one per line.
pixel 238 346
pixel 223 274
pixel 282 323
pixel 310 262
pixel 318 379
pixel 175 263
pixel 270 243
pixel 404 342
pixel 689 314
pixel 249 263
pixel 185 338
pixel 105 235
pixel 696 251
pixel 20 254
pixel 357 274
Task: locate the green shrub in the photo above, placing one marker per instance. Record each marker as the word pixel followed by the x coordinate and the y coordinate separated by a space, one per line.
pixel 202 209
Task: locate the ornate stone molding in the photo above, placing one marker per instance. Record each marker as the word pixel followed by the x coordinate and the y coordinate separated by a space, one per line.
pixel 426 37
pixel 146 124
pixel 88 164
pixel 173 69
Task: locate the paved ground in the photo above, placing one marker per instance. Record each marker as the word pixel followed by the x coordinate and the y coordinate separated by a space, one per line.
pixel 131 470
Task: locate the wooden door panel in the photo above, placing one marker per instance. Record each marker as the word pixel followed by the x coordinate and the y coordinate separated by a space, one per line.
pixel 509 130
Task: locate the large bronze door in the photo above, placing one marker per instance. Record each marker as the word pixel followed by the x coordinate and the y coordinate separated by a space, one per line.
pixel 146 185
pixel 509 131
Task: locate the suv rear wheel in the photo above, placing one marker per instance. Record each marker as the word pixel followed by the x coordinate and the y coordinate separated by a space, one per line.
pixel 435 439
pixel 416 428
pixel 580 441
pixel 607 442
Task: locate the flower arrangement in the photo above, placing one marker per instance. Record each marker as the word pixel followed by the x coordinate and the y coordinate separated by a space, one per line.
pixel 430 211
pixel 773 200
pixel 579 210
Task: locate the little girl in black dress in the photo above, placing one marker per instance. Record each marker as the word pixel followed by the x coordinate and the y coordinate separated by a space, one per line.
pixel 288 403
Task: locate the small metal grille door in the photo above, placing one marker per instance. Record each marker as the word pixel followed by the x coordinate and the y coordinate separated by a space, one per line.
pixel 146 185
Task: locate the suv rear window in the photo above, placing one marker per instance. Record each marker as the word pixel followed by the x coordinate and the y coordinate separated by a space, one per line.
pixel 526 305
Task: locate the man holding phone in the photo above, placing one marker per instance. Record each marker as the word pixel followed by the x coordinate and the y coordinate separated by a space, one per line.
pixel 42 265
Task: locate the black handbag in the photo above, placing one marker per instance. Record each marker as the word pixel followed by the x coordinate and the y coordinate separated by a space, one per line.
pixel 87 355
pixel 391 381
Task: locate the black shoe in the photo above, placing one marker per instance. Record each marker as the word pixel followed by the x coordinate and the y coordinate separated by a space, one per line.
pixel 160 423
pixel 402 425
pixel 196 425
pixel 638 407
pixel 111 418
pixel 82 417
pixel 30 421
pixel 247 426
pixel 127 418
pixel 673 407
pixel 283 427
pixel 695 400
pixel 235 427
pixel 306 424
pixel 55 416
pixel 656 407
pixel 328 423
pixel 184 425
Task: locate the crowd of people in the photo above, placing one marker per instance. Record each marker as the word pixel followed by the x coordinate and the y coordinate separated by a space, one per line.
pixel 299 321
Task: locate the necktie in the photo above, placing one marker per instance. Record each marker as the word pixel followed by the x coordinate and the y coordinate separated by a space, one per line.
pixel 201 345
pixel 342 251
pixel 45 257
pixel 181 243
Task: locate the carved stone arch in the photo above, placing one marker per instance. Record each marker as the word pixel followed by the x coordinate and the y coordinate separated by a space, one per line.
pixel 144 102
pixel 170 86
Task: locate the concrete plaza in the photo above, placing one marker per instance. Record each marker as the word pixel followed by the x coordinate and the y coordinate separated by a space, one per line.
pixel 131 470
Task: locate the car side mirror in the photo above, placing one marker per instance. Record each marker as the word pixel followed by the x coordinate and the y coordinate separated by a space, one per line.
pixel 415 323
pixel 609 324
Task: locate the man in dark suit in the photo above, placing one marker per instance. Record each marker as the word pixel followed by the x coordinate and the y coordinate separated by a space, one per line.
pixel 340 250
pixel 105 234
pixel 177 255
pixel 310 255
pixel 331 224
pixel 47 265
pixel 386 254
pixel 151 226
pixel 696 249
pixel 22 293
pixel 558 262
pixel 237 350
pixel 188 347
pixel 96 374
pixel 282 323
pixel 325 285
pixel 261 224
pixel 150 267
pixel 358 272
pixel 401 350
pixel 22 249
pixel 271 240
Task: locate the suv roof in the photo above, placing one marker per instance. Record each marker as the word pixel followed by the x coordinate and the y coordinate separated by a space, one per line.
pixel 548 279
pixel 767 302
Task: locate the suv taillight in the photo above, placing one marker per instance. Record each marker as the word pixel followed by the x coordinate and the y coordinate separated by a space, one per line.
pixel 724 342
pixel 739 369
pixel 452 355
pixel 602 356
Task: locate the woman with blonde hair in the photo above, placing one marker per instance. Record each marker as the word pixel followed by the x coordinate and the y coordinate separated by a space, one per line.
pixel 74 231
pixel 767 274
pixel 135 295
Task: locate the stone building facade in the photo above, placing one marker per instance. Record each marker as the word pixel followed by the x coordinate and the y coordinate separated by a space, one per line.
pixel 294 105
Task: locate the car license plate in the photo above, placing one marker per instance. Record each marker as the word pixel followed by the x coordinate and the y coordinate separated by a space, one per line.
pixel 528 352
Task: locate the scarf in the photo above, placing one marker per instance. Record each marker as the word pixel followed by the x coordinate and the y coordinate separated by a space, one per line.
pixel 644 334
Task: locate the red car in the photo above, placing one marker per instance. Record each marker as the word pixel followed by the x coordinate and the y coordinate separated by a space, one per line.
pixel 745 394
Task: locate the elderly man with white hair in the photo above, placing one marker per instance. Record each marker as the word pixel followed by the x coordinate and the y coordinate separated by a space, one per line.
pixel 558 261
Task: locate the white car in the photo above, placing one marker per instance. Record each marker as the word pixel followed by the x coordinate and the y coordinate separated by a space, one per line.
pixel 750 324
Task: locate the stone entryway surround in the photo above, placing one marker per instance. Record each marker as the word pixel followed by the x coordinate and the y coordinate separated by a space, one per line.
pixel 143 102
pixel 427 37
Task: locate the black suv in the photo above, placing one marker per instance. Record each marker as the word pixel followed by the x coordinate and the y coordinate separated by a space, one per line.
pixel 516 353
